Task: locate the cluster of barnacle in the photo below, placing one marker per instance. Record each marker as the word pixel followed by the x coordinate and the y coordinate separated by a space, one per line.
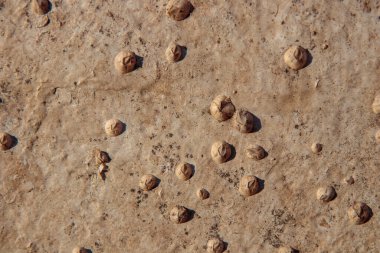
pixel 221 109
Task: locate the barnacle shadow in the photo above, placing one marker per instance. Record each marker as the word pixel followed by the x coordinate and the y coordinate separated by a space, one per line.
pixel 50 6
pixel 139 62
pixel 123 127
pixel 192 166
pixel 256 124
pixel 14 141
pixel 225 246
pixel 309 59
pixel 157 183
pixel 233 152
pixel 261 185
pixel 191 214
pixel 183 52
pixel 370 214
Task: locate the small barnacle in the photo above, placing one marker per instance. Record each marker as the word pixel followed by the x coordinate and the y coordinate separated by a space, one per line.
pixel 326 194
pixel 184 171
pixel 179 9
pixel 222 108
pixel 215 245
pixel 255 152
pixel 249 185
pixel 101 156
pixel 174 52
pixel 114 127
pixel 220 151
pixel 376 104
pixel 359 213
pixel 316 147
pixel 102 169
pixel 125 62
pixel 203 194
pixel 349 180
pixel 296 57
pixel 180 214
pixel 377 136
pixel 243 121
pixel 148 182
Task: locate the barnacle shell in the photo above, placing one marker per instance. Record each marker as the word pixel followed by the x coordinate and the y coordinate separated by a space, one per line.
pixel 125 62
pixel 80 250
pixel 377 136
pixel 376 104
pixel 249 185
pixel 326 194
pixel 180 214
pixel 222 108
pixel 295 57
pixel 184 171
pixel 114 127
pixel 255 152
pixel 40 7
pixel 174 52
pixel 359 213
pixel 101 156
pixel 6 141
pixel 148 182
pixel 316 147
pixel 286 249
pixel 215 245
pixel 220 151
pixel 243 121
pixel 203 193
pixel 179 9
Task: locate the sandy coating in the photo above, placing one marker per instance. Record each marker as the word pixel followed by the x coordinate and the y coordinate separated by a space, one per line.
pixel 295 57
